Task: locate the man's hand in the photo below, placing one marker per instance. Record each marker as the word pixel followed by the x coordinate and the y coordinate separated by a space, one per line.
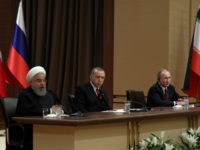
pixel 54 108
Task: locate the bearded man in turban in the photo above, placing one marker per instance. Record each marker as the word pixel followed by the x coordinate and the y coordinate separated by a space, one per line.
pixel 33 99
pixel 36 97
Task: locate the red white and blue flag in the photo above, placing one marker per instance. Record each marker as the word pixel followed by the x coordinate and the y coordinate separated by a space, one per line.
pixel 17 63
pixel 3 88
pixel 192 77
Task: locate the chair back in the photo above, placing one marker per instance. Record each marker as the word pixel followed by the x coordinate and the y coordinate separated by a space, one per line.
pixel 9 105
pixel 14 131
pixel 136 97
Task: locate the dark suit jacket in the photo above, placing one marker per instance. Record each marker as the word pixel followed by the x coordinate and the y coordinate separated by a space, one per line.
pixel 86 99
pixel 155 96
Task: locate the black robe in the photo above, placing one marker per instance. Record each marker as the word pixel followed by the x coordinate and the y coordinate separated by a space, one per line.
pixel 30 104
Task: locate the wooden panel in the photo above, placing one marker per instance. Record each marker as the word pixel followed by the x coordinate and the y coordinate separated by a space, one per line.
pixel 49 137
pixel 98 137
pixel 141 42
pixel 172 127
pixel 108 36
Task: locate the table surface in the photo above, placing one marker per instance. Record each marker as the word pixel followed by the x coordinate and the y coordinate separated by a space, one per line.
pixel 106 117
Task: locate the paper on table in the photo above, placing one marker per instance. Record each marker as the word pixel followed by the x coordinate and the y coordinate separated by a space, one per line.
pixel 115 110
pixel 177 107
pixel 55 116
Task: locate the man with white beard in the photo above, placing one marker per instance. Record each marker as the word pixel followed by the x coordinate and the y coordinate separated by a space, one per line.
pixel 33 99
pixel 36 97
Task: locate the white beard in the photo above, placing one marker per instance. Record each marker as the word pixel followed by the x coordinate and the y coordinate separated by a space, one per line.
pixel 40 92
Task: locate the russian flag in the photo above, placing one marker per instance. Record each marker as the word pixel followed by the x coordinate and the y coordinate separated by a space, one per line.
pixel 17 63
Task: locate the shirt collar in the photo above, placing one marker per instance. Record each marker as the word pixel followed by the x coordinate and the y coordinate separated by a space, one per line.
pixel 163 88
pixel 94 88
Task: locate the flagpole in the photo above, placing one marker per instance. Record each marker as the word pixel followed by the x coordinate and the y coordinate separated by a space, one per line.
pixel 197 89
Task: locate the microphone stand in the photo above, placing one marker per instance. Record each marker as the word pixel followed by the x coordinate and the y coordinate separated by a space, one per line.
pixel 141 108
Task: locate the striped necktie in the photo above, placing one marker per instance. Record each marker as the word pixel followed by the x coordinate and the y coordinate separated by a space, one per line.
pixel 98 94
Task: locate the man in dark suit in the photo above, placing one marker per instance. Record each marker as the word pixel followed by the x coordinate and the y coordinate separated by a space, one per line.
pixel 91 97
pixel 162 93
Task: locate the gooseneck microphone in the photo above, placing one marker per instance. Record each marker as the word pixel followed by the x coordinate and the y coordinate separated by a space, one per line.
pixel 138 106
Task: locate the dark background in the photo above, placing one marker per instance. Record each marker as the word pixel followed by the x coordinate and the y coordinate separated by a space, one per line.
pixel 66 37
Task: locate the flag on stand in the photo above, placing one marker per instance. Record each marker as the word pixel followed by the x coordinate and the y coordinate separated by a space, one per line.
pixel 17 63
pixel 3 89
pixel 192 77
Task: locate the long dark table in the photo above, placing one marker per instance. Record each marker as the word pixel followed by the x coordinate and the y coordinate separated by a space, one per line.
pixel 109 130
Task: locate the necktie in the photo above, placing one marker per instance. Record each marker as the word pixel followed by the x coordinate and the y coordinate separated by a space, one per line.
pixel 98 94
pixel 166 96
pixel 97 91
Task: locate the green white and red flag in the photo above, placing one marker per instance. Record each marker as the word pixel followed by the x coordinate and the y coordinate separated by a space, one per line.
pixel 192 78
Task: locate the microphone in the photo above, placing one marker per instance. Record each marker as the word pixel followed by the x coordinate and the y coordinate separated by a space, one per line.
pixel 138 106
pixel 77 114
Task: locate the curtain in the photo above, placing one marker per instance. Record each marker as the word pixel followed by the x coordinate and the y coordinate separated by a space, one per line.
pixel 66 38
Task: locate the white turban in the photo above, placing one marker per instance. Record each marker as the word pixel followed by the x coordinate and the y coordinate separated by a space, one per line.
pixel 33 72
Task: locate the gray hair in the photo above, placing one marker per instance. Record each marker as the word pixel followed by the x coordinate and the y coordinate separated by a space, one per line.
pixel 160 73
pixel 95 69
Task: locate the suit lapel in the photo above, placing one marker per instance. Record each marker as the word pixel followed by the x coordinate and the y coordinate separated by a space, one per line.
pixel 92 92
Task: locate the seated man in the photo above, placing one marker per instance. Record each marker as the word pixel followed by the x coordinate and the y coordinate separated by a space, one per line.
pixel 162 93
pixel 34 98
pixel 91 97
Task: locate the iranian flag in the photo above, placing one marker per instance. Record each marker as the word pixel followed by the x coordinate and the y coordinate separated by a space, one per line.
pixel 192 77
